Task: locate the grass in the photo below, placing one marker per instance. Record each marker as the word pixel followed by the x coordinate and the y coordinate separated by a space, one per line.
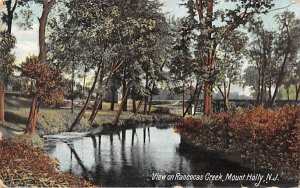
pixel 52 121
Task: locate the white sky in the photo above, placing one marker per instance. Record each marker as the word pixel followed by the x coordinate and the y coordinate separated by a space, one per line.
pixel 27 41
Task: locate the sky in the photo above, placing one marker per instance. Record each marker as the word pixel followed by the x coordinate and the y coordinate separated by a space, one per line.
pixel 27 40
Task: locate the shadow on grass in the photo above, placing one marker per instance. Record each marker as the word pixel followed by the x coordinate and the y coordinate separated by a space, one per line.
pixel 13 101
pixel 14 118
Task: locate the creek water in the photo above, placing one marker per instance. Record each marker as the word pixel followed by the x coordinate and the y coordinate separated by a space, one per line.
pixel 138 156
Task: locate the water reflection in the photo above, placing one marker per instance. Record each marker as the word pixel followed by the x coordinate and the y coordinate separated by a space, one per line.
pixel 124 159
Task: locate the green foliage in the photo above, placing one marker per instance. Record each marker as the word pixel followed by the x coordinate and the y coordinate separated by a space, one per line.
pixel 7 43
pixel 273 56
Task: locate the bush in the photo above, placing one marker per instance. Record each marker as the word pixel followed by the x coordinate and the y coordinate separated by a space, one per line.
pixel 269 137
pixel 161 110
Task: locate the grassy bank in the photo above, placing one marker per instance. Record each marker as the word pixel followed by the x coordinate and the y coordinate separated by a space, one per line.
pixel 266 139
pixel 52 121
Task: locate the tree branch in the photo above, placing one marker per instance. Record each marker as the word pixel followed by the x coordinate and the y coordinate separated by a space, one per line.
pixel 283 7
pixel 15 5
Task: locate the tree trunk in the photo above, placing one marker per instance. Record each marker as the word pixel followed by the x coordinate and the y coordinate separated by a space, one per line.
pixel 258 97
pixel 84 81
pixel 197 99
pixel 33 117
pixel 138 107
pixel 134 106
pixel 98 101
pixel 81 113
pixel 288 94
pixel 281 73
pixel 47 6
pixel 73 85
pixel 226 100
pixel 270 91
pixel 192 99
pixel 121 107
pixel 96 107
pixel 297 91
pixel 183 99
pixel 2 94
pixel 151 97
pixel 113 100
pixel 125 105
pixel 146 97
pixel 10 14
pixel 103 88
pixel 207 107
pixel 208 86
pixel 101 104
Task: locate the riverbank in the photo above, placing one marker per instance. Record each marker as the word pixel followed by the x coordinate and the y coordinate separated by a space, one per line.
pixel 21 165
pixel 54 121
pixel 51 121
pixel 257 138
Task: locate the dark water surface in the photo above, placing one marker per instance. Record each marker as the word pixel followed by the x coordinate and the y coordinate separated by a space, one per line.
pixel 133 156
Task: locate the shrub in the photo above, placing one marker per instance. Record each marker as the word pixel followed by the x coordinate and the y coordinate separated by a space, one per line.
pixel 162 110
pixel 269 137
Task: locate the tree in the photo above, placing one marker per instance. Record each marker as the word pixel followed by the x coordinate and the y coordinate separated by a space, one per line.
pixel 273 54
pixel 284 51
pixel 7 43
pixel 98 37
pixel 260 55
pixel 8 15
pixel 47 87
pixel 229 62
pixel 251 79
pixel 182 62
pixel 212 35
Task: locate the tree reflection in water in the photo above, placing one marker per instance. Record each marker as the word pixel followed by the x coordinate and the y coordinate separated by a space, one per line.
pixel 115 159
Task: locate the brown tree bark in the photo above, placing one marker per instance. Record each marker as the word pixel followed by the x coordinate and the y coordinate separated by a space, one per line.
pixel 115 122
pixel 47 6
pixel 103 89
pixel 81 113
pixel 207 107
pixel 96 107
pixel 208 86
pixel 2 94
pixel 33 117
pixel 207 24
pixel 98 101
